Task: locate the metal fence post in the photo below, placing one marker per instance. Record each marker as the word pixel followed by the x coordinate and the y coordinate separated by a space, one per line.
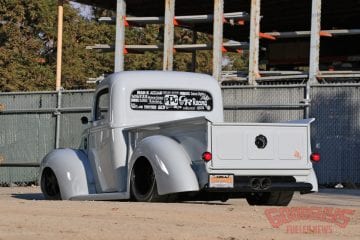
pixel 120 35
pixel 57 113
pixel 254 41
pixel 218 38
pixel 169 35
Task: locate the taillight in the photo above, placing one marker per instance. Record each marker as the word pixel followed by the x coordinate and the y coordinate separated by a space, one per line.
pixel 315 157
pixel 207 156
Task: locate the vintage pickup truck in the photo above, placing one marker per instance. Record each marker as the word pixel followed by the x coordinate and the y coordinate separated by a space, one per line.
pixel 161 136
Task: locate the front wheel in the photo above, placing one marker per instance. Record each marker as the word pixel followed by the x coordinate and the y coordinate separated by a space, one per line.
pixel 270 198
pixel 49 185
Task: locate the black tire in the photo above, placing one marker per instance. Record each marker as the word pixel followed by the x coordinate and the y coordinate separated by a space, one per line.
pixel 49 185
pixel 270 198
pixel 143 182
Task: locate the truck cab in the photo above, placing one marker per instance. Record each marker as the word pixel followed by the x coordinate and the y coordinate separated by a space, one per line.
pixel 158 135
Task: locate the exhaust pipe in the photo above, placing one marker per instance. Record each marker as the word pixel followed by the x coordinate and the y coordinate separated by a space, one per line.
pixel 260 183
pixel 255 183
pixel 265 183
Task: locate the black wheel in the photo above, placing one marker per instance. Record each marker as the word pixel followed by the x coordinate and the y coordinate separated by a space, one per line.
pixel 270 198
pixel 143 182
pixel 49 185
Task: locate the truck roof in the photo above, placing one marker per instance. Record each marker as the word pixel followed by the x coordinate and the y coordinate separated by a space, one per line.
pixel 166 78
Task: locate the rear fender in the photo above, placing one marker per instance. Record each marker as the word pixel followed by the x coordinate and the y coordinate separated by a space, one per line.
pixel 72 170
pixel 170 162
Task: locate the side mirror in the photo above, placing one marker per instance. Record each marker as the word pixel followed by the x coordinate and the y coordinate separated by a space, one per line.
pixel 84 120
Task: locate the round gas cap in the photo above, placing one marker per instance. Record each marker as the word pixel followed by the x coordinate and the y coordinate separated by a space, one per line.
pixel 261 141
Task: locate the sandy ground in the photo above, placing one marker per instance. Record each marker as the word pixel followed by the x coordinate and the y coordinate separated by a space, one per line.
pixel 25 215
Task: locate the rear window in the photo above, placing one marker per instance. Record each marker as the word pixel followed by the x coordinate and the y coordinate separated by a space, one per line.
pixel 171 100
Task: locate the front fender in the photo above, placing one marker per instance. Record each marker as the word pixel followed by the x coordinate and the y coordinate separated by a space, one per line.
pixel 170 162
pixel 72 170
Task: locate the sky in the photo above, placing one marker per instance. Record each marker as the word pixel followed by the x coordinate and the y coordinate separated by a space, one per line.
pixel 84 10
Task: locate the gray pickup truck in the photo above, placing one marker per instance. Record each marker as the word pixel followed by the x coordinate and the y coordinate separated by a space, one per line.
pixel 161 136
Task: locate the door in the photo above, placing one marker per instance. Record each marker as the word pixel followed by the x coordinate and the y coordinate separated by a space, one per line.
pixel 100 143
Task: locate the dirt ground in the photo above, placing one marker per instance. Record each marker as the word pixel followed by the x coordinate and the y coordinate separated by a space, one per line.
pixel 25 215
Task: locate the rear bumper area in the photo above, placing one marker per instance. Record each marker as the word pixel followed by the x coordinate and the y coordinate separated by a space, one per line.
pixel 263 184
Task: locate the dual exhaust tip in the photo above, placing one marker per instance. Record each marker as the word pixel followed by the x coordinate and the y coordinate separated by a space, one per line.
pixel 260 183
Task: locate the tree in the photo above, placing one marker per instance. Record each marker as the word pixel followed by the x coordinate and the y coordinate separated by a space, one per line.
pixel 28 46
pixel 22 48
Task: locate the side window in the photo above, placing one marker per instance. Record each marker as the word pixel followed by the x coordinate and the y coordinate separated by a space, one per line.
pixel 102 105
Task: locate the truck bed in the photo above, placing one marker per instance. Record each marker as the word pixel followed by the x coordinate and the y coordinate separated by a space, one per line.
pixel 233 144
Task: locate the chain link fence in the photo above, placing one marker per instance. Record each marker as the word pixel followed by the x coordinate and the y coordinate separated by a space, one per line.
pixel 34 123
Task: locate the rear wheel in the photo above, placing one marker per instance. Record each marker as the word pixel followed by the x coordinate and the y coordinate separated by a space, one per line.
pixel 143 182
pixel 49 185
pixel 270 198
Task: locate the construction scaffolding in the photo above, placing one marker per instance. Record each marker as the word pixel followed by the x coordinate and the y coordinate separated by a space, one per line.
pixel 170 21
pixel 252 15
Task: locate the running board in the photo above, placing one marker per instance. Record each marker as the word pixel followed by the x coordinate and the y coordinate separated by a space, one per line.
pixel 102 196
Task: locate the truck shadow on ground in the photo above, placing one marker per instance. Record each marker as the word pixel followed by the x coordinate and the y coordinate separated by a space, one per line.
pixel 204 203
pixel 40 196
pixel 28 196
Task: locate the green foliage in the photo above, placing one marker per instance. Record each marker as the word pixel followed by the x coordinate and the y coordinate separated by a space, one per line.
pixel 21 46
pixel 28 46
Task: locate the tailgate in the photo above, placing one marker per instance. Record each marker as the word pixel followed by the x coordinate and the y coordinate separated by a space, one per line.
pixel 261 146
